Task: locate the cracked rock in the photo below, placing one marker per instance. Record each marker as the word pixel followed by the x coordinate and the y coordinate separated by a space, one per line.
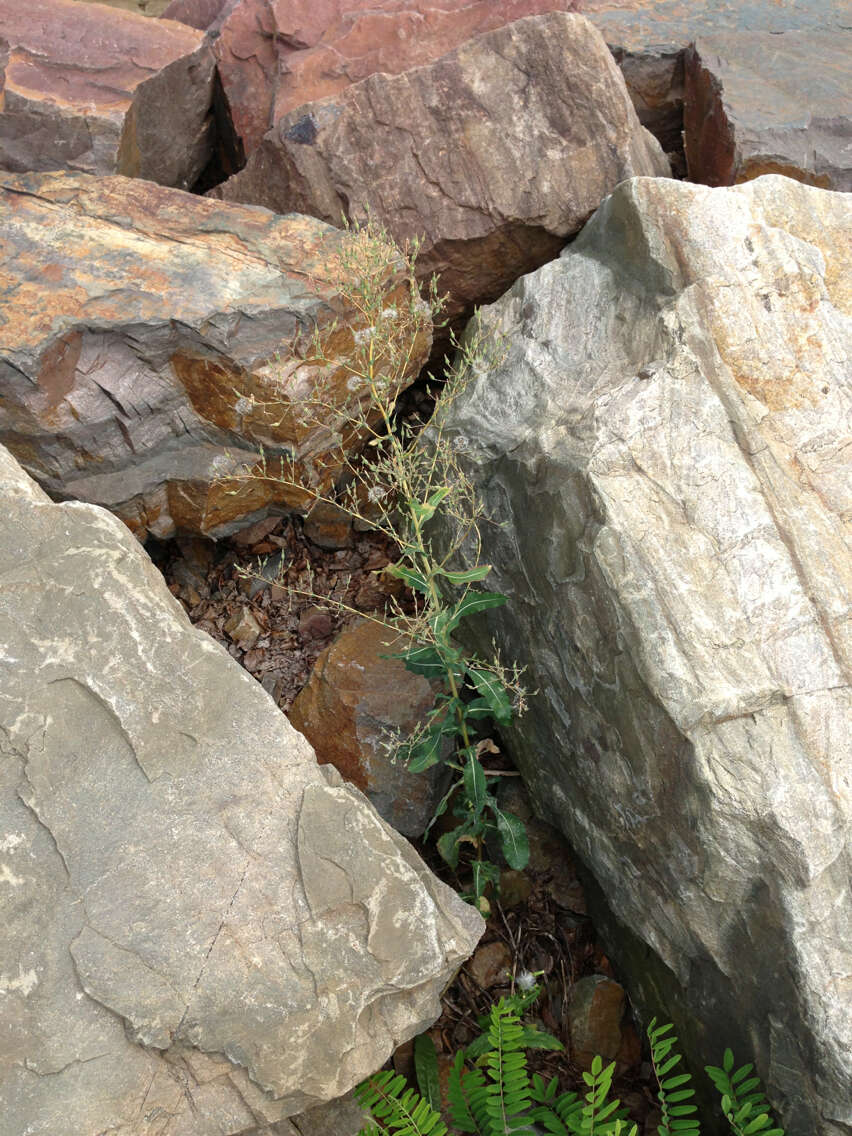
pixel 149 354
pixel 664 454
pixel 204 932
pixel 493 154
pixel 98 90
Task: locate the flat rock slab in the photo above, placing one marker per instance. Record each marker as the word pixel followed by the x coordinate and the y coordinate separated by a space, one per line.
pixel 203 930
pixel 664 451
pixel 758 103
pixel 150 347
pixel 649 37
pixel 494 154
pixel 104 91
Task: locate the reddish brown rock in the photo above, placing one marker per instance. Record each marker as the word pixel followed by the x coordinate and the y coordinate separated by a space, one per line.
pixel 596 1012
pixel 493 154
pixel 147 354
pixel 100 90
pixel 758 103
pixel 356 699
pixel 275 55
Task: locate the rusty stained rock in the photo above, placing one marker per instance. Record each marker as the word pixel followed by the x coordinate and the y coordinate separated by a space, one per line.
pixel 357 698
pixel 758 103
pixel 494 154
pixel 96 89
pixel 275 56
pixel 151 346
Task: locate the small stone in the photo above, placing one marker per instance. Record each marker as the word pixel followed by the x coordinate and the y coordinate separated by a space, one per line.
pixel 243 629
pixel 256 532
pixel 596 1010
pixel 491 965
pixel 315 623
pixel 329 526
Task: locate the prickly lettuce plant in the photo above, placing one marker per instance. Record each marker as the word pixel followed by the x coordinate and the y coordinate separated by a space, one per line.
pixel 398 488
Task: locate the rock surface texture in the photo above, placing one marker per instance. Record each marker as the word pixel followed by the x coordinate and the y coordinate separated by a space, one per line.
pixel 760 103
pixel 203 930
pixel 275 55
pixel 494 154
pixel 104 91
pixel 649 37
pixel 149 347
pixel 666 448
pixel 356 700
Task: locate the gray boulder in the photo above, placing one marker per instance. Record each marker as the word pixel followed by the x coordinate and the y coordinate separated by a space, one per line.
pixel 665 448
pixel 203 931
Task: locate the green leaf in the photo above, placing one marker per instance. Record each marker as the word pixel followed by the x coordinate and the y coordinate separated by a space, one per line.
pixel 426 1070
pixel 423 661
pixel 469 576
pixel 492 690
pixel 472 603
pixel 448 847
pixel 484 873
pixel 475 784
pixel 513 838
pixel 426 753
pixel 410 576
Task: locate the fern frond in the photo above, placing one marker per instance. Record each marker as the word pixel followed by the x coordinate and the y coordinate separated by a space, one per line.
pixel 673 1091
pixel 462 1083
pixel 508 1097
pixel 400 1111
pixel 744 1103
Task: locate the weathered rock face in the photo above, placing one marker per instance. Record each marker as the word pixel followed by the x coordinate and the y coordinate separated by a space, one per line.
pixel 648 38
pixel 494 154
pixel 356 699
pixel 150 346
pixel 275 56
pixel 104 91
pixel 664 448
pixel 201 926
pixel 761 103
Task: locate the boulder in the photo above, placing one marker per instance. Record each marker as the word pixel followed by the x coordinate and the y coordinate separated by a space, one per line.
pixel 760 103
pixel 494 154
pixel 203 930
pixel 649 37
pixel 143 7
pixel 357 700
pixel 664 452
pixel 104 91
pixel 275 56
pixel 153 341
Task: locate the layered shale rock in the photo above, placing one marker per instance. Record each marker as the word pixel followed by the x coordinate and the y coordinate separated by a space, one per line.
pixel 104 91
pixel 664 449
pixel 153 342
pixel 759 103
pixel 203 930
pixel 493 154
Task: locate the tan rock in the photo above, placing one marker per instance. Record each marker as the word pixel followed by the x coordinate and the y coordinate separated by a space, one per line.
pixel 148 355
pixel 356 700
pixel 493 154
pixel 664 450
pixel 99 90
pixel 204 932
